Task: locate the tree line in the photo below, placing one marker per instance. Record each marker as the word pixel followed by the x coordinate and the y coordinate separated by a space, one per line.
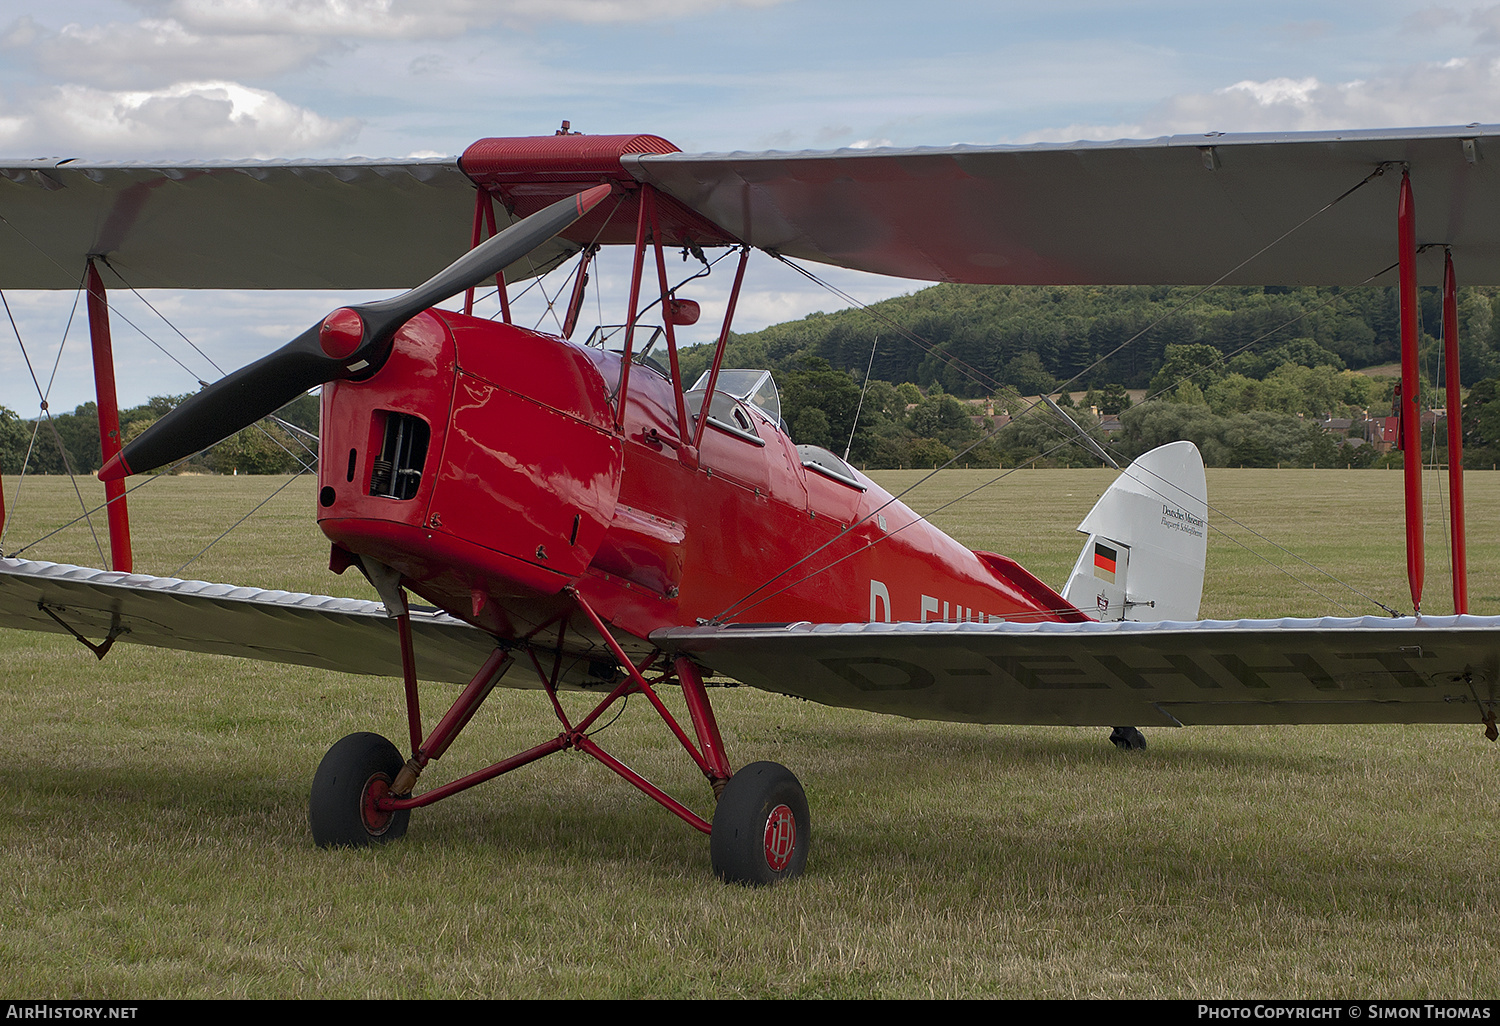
pixel 62 443
pixel 1249 374
pixel 974 340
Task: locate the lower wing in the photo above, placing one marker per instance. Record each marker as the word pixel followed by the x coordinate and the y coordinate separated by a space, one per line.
pixel 1357 670
pixel 350 635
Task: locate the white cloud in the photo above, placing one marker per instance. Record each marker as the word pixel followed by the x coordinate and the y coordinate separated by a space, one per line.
pixel 187 119
pixel 157 52
pixel 1452 92
pixel 21 33
pixel 1080 131
pixel 1486 20
pixel 418 19
pixel 1276 90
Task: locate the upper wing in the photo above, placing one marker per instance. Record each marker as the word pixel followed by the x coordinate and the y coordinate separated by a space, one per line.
pixel 365 224
pixel 1443 669
pixel 348 635
pixel 1175 211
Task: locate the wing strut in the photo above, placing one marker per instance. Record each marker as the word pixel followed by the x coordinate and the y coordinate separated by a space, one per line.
pixel 1457 540
pixel 109 419
pixel 1410 410
pixel 484 221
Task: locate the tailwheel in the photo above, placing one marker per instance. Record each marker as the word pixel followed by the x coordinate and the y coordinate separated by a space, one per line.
pixel 1128 739
pixel 761 829
pixel 354 775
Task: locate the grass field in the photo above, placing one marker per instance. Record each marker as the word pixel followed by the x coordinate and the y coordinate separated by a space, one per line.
pixel 155 844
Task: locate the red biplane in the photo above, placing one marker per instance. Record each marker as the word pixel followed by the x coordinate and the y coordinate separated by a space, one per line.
pixel 584 511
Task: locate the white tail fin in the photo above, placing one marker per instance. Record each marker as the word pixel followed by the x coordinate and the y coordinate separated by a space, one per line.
pixel 1147 541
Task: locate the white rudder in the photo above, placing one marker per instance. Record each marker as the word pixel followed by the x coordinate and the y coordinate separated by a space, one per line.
pixel 1147 541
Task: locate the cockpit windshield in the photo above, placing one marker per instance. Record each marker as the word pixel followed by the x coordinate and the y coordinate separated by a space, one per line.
pixel 753 387
pixel 649 344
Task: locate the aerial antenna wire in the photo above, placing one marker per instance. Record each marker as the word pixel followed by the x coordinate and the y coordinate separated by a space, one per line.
pixel 1379 170
pixel 1311 565
pixel 1257 340
pixel 863 389
pixel 973 491
pixel 973 373
pixel 976 374
pixel 730 609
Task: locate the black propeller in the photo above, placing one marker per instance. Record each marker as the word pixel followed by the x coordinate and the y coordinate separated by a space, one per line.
pixel 351 342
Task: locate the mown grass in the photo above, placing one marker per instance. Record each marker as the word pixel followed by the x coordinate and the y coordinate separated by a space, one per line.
pixel 155 843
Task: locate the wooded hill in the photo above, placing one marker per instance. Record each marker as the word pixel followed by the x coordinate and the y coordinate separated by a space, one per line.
pixel 1246 373
pixel 974 339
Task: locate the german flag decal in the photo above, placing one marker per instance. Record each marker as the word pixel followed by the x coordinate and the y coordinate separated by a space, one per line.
pixel 1104 562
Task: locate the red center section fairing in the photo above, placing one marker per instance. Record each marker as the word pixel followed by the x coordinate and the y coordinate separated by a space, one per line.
pixel 527 174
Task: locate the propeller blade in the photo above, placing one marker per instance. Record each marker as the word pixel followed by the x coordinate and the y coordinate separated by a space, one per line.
pixel 351 342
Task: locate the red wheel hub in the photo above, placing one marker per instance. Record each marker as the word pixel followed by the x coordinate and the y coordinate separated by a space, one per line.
pixel 781 838
pixel 375 818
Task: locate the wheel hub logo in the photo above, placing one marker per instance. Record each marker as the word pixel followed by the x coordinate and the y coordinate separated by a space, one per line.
pixel 781 837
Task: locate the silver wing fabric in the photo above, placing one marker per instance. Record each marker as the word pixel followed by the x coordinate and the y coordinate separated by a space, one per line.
pixel 1441 669
pixel 1172 211
pixel 289 224
pixel 1179 210
pixel 349 635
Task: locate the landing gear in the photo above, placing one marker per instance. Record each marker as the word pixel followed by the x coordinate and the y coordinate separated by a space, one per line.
pixel 354 775
pixel 761 827
pixel 362 793
pixel 1128 739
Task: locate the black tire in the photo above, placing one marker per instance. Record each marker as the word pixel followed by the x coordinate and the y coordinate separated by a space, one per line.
pixel 1128 739
pixel 761 830
pixel 339 810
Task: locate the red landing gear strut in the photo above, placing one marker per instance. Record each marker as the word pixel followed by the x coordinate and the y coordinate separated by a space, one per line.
pixel 759 833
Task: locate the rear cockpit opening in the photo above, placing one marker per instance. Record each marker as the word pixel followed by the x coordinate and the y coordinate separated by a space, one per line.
pixel 820 460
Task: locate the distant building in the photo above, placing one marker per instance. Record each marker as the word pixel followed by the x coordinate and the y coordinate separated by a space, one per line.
pixel 1385 432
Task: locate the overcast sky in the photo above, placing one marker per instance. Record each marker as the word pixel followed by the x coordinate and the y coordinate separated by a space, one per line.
pixel 195 79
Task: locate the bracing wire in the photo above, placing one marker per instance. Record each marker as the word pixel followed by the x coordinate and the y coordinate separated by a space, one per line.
pixel 739 606
pixel 225 533
pixel 62 448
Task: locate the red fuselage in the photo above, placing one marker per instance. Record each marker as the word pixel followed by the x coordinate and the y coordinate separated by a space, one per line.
pixel 484 463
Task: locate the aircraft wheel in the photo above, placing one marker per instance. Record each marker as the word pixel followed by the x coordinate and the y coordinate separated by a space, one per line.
pixel 1128 739
pixel 354 775
pixel 761 829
